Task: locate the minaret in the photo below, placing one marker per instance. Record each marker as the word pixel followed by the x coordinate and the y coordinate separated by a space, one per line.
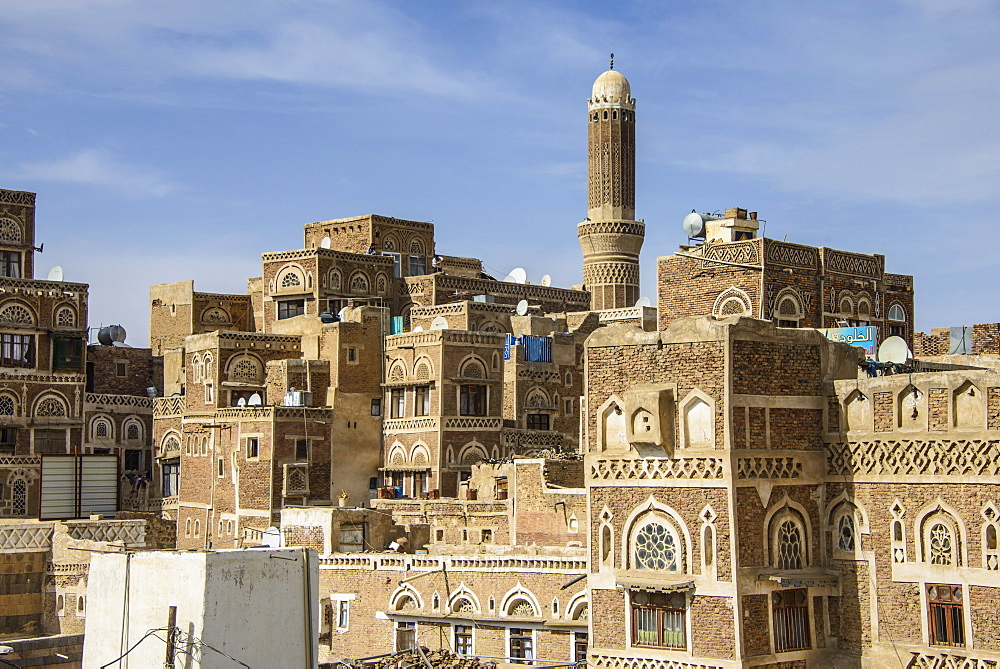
pixel 610 237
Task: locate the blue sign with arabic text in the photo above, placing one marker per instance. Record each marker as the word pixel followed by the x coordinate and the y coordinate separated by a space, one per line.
pixel 863 337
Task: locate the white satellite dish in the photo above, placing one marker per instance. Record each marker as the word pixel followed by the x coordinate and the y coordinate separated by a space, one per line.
pixel 894 349
pixel 439 323
pixel 517 275
pixel 546 281
pixel 56 273
pixel 254 401
pixel 521 308
pixel 419 328
pixel 324 243
pixel 271 537
pixel 242 402
pixel 643 302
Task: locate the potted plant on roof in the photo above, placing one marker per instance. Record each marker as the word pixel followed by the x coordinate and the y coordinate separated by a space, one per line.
pixel 343 498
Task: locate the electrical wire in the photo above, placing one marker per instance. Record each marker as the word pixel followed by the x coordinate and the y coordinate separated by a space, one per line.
pixel 180 637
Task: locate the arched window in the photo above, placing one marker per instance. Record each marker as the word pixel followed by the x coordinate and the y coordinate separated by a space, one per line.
pixel 8 405
pixel 359 283
pixel 334 279
pixel 380 284
pixel 521 608
pixel 789 312
pixel 897 321
pixel 19 496
pixel 788 547
pixel 65 317
pixel 215 316
pixel 133 432
pixel 10 231
pixel 473 369
pixel 463 605
pixel 101 429
pixel 731 302
pixel 50 406
pixel 699 423
pixel 941 544
pixel 245 369
pixel 864 311
pixel 846 532
pixel 655 546
pixel 732 306
pixel 846 306
pixel 17 314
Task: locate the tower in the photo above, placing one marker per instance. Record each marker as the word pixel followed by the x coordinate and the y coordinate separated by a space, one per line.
pixel 610 237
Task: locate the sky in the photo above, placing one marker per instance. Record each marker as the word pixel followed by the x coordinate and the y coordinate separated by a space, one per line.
pixel 174 140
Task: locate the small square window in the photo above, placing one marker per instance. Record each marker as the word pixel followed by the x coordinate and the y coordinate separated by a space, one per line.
pixel 121 369
pixel 487 536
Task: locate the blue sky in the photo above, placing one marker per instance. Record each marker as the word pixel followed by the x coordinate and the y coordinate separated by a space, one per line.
pixel 179 140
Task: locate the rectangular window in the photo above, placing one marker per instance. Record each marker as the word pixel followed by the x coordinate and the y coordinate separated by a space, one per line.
pixel 658 619
pixel 301 450
pixel 418 265
pixel 343 613
pixel 17 350
pixel 8 440
pixel 538 421
pixel 253 447
pixel 50 441
pixel 486 536
pixel 352 355
pixel 397 402
pixel 791 619
pixel 67 354
pixel 397 260
pixel 580 644
pixel 10 264
pixel 787 324
pixel 422 401
pixel 171 477
pixel 463 639
pixel 522 645
pixel 946 620
pixel 291 308
pixel 472 400
pixel 133 460
pixel 897 330
pixel 568 407
pixel 121 369
pixel 376 407
pixel 221 468
pixel 406 635
pixel 502 487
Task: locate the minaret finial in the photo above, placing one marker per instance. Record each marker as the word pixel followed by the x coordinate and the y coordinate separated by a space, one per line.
pixel 612 62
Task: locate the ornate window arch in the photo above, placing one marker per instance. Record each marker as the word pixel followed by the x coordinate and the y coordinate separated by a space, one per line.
pixel 16 313
pixel 102 428
pixel 419 455
pixel 359 283
pixel 334 279
pixel 64 316
pixel 8 404
pixel 397 372
pixel 405 598
pixel 215 316
pixel 991 537
pixel 708 539
pixel 847 522
pixel 941 536
pixel 197 368
pixel 463 600
pixel 578 607
pixel 897 313
pixel 290 278
pixel 51 405
pixel 519 602
pixel 473 368
pixel 897 532
pixel 389 243
pixel 171 442
pixel 846 305
pixel 381 284
pixel 133 429
pixel 416 248
pixel 654 544
pixel 422 369
pixel 397 456
pixel 472 453
pixel 787 536
pixel 245 368
pixel 732 302
pixel 788 308
pixel 537 399
pixel 10 230
pixel 864 309
pixel 652 510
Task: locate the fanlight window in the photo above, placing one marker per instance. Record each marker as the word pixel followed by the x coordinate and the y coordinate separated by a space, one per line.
pixel 521 608
pixel 50 406
pixel 290 279
pixel 406 603
pixel 416 248
pixel 359 283
pixel 846 532
pixel 463 605
pixel 245 369
pixel 473 370
pixel 132 432
pixel 9 230
pixel 65 317
pixel 789 545
pixel 215 315
pixel 17 314
pixel 897 314
pixel 7 405
pixel 101 429
pixel 864 309
pixel 732 306
pixel 788 307
pixel 940 545
pixel 655 547
pixel 334 280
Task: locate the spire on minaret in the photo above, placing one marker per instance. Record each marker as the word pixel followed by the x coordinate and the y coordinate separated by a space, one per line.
pixel 612 62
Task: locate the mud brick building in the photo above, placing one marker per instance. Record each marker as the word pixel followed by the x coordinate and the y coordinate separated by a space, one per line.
pixel 735 272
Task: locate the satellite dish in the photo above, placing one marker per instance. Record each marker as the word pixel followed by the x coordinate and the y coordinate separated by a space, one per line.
pixel 694 223
pixel 894 349
pixel 517 275
pixel 419 328
pixel 254 401
pixel 439 323
pixel 56 273
pixel 324 243
pixel 546 281
pixel 521 308
pixel 643 302
pixel 271 537
pixel 242 402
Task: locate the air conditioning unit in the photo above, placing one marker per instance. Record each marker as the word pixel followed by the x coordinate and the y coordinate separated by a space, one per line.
pixel 298 398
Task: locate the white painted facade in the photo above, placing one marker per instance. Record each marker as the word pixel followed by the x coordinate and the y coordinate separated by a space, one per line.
pixel 259 606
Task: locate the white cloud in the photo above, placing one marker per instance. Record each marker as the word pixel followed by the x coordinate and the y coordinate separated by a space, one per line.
pixel 97 167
